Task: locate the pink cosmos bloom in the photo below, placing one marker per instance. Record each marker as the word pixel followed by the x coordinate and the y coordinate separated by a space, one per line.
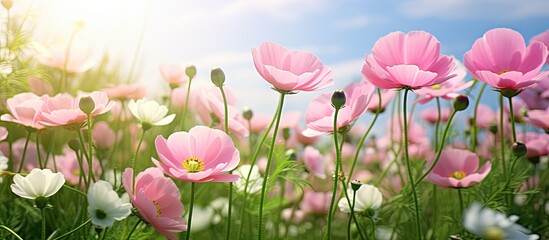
pixel 25 109
pixel 213 111
pixel 3 133
pixel 67 164
pixel 80 59
pixel 430 115
pixel 536 143
pixel 298 137
pixel 314 161
pixel 543 38
pixel 174 74
pixel 201 155
pixel 260 122
pixel 416 132
pixel 315 202
pixel 39 86
pixel 386 96
pixel 447 90
pixel 290 119
pixel 411 60
pixel 103 135
pixel 125 91
pixel 290 70
pixel 457 168
pixel 179 96
pixel 537 95
pixel 501 59
pixel 520 109
pixel 319 116
pixel 31 157
pixel 485 116
pixel 64 109
pixel 539 119
pixel 157 200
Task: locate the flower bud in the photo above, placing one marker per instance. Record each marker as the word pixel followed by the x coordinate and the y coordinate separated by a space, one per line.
pixel 286 133
pixel 355 185
pixel 509 93
pixel 461 102
pixel 493 128
pixel 41 202
pixel 519 149
pixel 190 71
pixel 74 145
pixel 86 105
pixel 7 4
pixel 218 77
pixel 338 99
pixel 247 113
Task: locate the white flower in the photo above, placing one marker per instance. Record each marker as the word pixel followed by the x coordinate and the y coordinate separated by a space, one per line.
pixel 256 180
pixel 489 224
pixel 3 165
pixel 202 218
pixel 150 112
pixel 38 183
pixel 367 197
pixel 104 205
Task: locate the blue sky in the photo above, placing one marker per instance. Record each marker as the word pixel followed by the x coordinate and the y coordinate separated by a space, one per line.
pixel 220 33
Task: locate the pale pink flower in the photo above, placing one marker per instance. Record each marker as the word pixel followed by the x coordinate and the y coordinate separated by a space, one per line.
pixel 536 96
pixel 80 58
pixel 501 59
pixel 537 144
pixel 39 86
pixel 543 38
pixel 157 200
pixel 103 135
pixel 260 122
pixel 67 164
pixel 179 96
pixel 416 132
pixel 485 117
pixel 539 119
pixel 201 155
pixel 314 162
pixel 211 110
pixel 31 157
pixel 290 70
pixel 315 202
pixel 3 133
pixel 25 109
pixel 447 90
pixel 293 215
pixel 411 60
pixel 458 168
pixel 64 109
pixel 430 115
pixel 290 119
pixel 386 96
pixel 174 74
pixel 125 91
pixel 298 137
pixel 320 113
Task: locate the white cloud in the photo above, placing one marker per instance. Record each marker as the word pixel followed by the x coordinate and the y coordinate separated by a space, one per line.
pixel 358 21
pixel 281 9
pixel 476 9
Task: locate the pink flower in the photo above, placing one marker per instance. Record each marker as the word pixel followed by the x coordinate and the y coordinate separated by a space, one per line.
pixel 212 112
pixel 157 200
pixel 298 137
pixel 103 135
pixel 124 91
pixel 314 161
pixel 260 122
pixel 39 86
pixel 536 143
pixel 290 119
pixel 519 109
pixel 430 115
pixel 3 133
pixel 174 74
pixel 31 157
pixel 539 119
pixel 457 168
pixel 543 38
pixel 290 70
pixel 501 59
pixel 24 109
pixel 319 116
pixel 411 60
pixel 68 165
pixel 447 90
pixel 79 59
pixel 386 97
pixel 537 95
pixel 64 109
pixel 416 132
pixel 485 116
pixel 315 202
pixel 179 95
pixel 201 155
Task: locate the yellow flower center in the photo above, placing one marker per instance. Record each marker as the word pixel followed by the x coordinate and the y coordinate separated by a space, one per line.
pixel 504 71
pixel 193 164
pixel 458 175
pixel 436 87
pixel 76 172
pixel 158 210
pixel 494 233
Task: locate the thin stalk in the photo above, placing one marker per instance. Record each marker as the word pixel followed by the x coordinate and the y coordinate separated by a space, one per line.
pixel 268 167
pixel 90 151
pixel 460 195
pixel 74 230
pixel 75 191
pixel 24 151
pixel 351 216
pixel 512 116
pixel 140 42
pixel 439 151
pixel 40 163
pixel 373 227
pixel 184 115
pixel 437 124
pixel 361 141
pixel 135 227
pixel 409 166
pixel 229 211
pixel 435 210
pixel 188 235
pixel 501 137
pixel 134 158
pixel 336 177
pixel 43 210
pixel 474 122
pixel 11 231
pixel 104 233
pixel 83 152
pixel 63 83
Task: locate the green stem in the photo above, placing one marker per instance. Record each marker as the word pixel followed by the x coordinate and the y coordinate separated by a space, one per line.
pixel 40 163
pixel 85 153
pixel 351 216
pixel 74 230
pixel 268 167
pixel 512 116
pixel 11 231
pixel 460 195
pixel 474 123
pixel 191 205
pixel 134 158
pixel 361 141
pixel 43 210
pixel 435 211
pixel 24 152
pixel 336 177
pixel 76 191
pixel 104 233
pixel 229 211
pixel 185 110
pixel 352 210
pixel 437 124
pixel 439 148
pixel 63 83
pixel 91 177
pixel 373 227
pixel 409 166
pixel 134 227
pixel 501 135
